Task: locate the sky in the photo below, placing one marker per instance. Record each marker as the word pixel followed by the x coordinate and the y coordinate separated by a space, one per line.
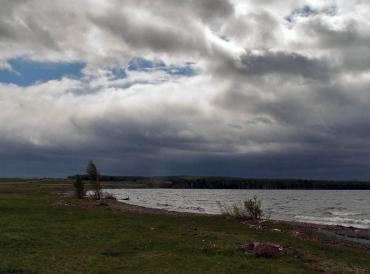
pixel 185 87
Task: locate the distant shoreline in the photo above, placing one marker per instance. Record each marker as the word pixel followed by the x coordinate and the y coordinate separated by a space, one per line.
pixel 205 182
pixel 208 182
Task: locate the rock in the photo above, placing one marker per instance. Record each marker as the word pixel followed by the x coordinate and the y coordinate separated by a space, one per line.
pixel 102 203
pixel 267 250
pixel 261 249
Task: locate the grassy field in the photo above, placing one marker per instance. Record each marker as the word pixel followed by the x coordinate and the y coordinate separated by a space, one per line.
pixel 42 231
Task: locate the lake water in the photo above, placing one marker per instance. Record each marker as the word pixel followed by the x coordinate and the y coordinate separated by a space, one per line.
pixel 334 207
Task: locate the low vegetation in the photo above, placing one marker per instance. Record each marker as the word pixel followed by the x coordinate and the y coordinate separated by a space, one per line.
pixel 251 210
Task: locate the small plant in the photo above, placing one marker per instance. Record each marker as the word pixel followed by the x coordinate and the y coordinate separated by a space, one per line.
pixel 79 187
pixel 251 210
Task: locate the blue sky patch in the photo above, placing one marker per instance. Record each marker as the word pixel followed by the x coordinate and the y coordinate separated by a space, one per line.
pixel 142 64
pixel 307 11
pixel 26 72
pixel 118 73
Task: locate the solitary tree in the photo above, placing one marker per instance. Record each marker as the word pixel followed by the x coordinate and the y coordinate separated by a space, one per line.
pixel 94 175
pixel 79 187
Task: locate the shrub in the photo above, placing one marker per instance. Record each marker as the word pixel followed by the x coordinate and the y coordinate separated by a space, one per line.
pixel 251 210
pixel 79 187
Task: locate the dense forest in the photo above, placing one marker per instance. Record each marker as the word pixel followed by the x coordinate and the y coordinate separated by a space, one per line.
pixel 232 183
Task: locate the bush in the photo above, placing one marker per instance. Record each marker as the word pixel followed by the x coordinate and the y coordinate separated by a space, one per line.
pixel 251 210
pixel 79 187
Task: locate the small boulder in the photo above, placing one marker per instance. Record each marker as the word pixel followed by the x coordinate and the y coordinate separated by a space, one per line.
pixel 261 249
pixel 267 250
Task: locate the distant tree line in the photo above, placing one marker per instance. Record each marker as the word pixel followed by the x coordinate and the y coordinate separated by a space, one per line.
pixel 234 183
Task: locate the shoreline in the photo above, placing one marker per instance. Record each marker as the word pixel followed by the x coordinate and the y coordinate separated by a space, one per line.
pixel 337 230
pixel 126 207
pixel 342 232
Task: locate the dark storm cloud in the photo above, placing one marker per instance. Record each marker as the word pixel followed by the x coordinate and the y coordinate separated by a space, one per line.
pixel 313 164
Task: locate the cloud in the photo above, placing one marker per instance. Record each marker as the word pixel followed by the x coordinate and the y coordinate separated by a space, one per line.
pixel 284 63
pixel 187 87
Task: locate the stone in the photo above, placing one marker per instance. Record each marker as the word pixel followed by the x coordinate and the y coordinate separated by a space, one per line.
pixel 265 250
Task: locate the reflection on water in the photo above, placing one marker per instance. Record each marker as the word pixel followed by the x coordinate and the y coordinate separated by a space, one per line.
pixel 339 207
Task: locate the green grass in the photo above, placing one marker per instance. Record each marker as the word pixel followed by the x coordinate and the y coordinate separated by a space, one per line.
pixel 41 233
